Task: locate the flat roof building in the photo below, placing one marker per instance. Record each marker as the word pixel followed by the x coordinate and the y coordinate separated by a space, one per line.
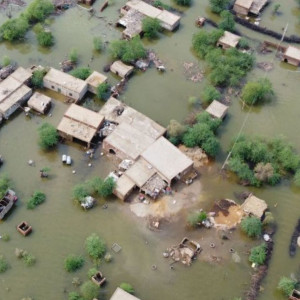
pixel 39 102
pixel 254 206
pixel 132 21
pixel 228 40
pixel 167 159
pixel 124 186
pixel 292 56
pixel 120 294
pixel 79 123
pixel 120 69
pixel 65 84
pixel 244 7
pixel 22 75
pixel 94 80
pixel 217 109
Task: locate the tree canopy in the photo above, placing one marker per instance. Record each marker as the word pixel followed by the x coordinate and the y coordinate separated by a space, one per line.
pixel 217 6
pixel 151 27
pixel 227 21
pixel 48 136
pixel 14 29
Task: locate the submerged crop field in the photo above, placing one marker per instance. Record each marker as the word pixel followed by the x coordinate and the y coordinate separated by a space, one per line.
pixel 239 215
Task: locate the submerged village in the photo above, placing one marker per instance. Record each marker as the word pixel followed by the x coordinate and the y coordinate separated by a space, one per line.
pixel 149 149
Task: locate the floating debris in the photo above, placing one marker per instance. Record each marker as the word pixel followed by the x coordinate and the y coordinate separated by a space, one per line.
pixel 266 66
pixel 193 72
pixel 116 248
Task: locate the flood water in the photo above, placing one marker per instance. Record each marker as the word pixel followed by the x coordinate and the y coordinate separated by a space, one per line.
pixel 60 227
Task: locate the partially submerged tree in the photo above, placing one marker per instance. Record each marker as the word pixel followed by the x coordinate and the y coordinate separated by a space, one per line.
pixel 251 226
pixel 175 132
pixel 73 56
pixel 227 21
pixel 258 254
pixel 106 188
pixel 210 93
pixel 95 246
pixel 73 262
pixel 98 43
pixel 45 38
pixel 217 6
pixel 48 136
pixel 127 287
pixel 151 27
pixel 89 290
pixel 37 78
pixel 36 199
pixel 14 29
pixel 103 90
pixel 286 285
pixel 196 218
pixel 4 185
pixel 39 10
pixel 3 264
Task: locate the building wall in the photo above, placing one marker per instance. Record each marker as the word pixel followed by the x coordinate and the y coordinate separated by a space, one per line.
pixel 119 154
pixel 291 61
pixel 240 10
pixel 170 27
pixel 65 136
pixel 63 90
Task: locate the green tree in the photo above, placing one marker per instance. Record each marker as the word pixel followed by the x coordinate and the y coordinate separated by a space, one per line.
pixel 258 254
pixel 127 288
pixel 14 29
pixel 286 285
pixel 98 43
pixel 95 246
pixel 103 90
pixel 39 10
pixel 37 198
pixel 48 136
pixel 73 262
pixel 80 191
pixel 160 4
pixel 37 78
pixel 105 189
pixel 73 56
pixel 217 6
pixel 151 27
pixel 210 93
pixel 81 73
pixel 89 290
pixel 257 91
pixel 251 226
pixel 74 296
pixel 227 21
pixel 243 43
pixel 45 38
pixel 196 218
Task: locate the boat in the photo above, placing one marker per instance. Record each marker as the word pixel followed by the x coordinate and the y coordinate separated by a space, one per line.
pixel 24 228
pixel 98 279
pixel 7 202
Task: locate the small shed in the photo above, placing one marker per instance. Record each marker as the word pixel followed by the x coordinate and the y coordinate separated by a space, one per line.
pixel 228 40
pixel 124 186
pixel 121 69
pixel 39 102
pixel 94 80
pixel 120 294
pixel 242 7
pixel 254 206
pixel 217 109
pixel 292 56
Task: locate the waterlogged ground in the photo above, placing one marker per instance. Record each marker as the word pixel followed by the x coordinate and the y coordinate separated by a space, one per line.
pixel 60 227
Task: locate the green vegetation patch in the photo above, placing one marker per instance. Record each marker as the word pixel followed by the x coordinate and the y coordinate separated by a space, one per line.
pixel 73 262
pixel 258 254
pixel 195 219
pixel 151 27
pixel 48 136
pixel 4 185
pixel 95 246
pixel 37 198
pixel 217 6
pixel 127 287
pixel 81 73
pixel 3 264
pixel 37 78
pixel 286 285
pixel 103 91
pixel 251 226
pixel 89 290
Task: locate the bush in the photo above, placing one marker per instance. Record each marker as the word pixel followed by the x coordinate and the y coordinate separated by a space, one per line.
pixel 258 254
pixel 98 44
pixel 251 226
pixel 159 4
pixel 210 93
pixel 195 219
pixel 80 191
pixel 95 246
pixel 218 6
pixel 103 91
pixel 89 290
pixel 183 2
pixel 73 56
pixel 128 51
pixel 227 21
pixel 243 43
pixel 3 264
pixel 6 61
pixel 127 288
pixel 106 188
pixel 268 219
pixel 4 185
pixel 5 237
pixel 151 27
pixel 45 38
pixel 36 199
pixel 92 272
pixel 81 73
pixel 175 131
pixel 37 78
pixel 14 29
pixel 257 92
pixel 73 262
pixel 39 10
pixel 29 259
pixel 74 296
pixel 286 285
pixel 48 136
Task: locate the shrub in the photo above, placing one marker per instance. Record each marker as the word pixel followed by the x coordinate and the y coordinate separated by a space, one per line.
pixel 14 29
pixel 73 56
pixel 98 44
pixel 81 73
pixel 95 246
pixel 243 43
pixel 74 296
pixel 268 219
pixel 175 131
pixel 37 198
pixel 107 187
pixel 197 218
pixel 127 288
pixel 276 8
pixel 286 285
pixel 258 254
pixel 5 237
pixel 29 259
pixel 6 61
pixel 257 92
pixel 80 191
pixel 4 185
pixel 128 51
pixel 183 2
pixel 48 136
pixel 73 262
pixel 89 290
pixel 159 4
pixel 103 91
pixel 45 38
pixel 3 264
pixel 92 272
pixel 251 226
pixel 151 27
pixel 210 93
pixel 218 6
pixel 39 10
pixel 227 21
pixel 37 78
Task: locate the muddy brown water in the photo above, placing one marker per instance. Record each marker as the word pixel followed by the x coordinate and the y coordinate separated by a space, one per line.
pixel 60 227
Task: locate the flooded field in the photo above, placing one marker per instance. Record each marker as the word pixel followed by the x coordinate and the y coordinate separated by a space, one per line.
pixel 60 227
